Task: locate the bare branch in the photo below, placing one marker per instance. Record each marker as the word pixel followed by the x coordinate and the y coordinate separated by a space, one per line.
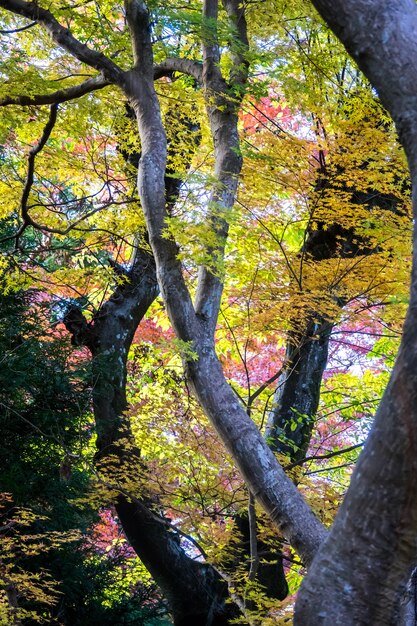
pixel 330 469
pixel 64 38
pixel 264 385
pixel 322 457
pixel 177 64
pixel 62 95
pixel 27 220
pixel 18 30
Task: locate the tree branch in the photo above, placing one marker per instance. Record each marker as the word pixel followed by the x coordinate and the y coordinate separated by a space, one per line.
pixel 329 469
pixel 322 457
pixel 139 87
pixel 178 64
pixel 167 67
pixel 64 38
pixel 62 95
pixel 18 30
pixel 210 45
pixel 222 112
pixel 239 45
pixel 27 220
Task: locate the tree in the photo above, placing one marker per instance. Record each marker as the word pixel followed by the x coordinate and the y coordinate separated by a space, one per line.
pixel 50 570
pixel 380 488
pixel 222 82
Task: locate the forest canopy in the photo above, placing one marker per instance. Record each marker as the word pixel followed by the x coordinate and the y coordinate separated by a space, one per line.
pixel 206 236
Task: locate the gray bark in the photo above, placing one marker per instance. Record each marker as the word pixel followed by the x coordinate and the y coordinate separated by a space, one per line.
pixel 261 471
pixel 407 611
pixel 372 545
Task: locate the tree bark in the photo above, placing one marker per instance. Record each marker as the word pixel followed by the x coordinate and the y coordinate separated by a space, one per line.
pixel 195 591
pixel 264 476
pixel 296 399
pixel 372 545
pixel 407 606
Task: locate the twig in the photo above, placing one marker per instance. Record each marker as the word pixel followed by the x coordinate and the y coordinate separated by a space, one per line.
pixel 17 30
pixel 329 469
pixel 321 457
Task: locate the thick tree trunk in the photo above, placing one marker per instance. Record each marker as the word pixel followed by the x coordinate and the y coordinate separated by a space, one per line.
pixel 355 576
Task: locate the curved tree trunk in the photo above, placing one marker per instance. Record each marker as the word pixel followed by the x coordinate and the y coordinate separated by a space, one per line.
pixel 372 545
pixel 195 591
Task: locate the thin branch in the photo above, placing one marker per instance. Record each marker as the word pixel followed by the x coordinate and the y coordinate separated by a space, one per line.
pixel 321 457
pixel 264 385
pixel 241 356
pixel 189 538
pixel 62 95
pixel 27 220
pixel 330 469
pixel 275 238
pixel 18 30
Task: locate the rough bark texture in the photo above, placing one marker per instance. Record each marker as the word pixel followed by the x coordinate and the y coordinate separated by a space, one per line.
pixel 297 396
pixel 355 575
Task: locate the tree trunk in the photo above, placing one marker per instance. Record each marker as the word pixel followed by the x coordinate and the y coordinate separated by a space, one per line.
pixel 297 395
pixel 195 591
pixel 407 610
pixel 372 545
